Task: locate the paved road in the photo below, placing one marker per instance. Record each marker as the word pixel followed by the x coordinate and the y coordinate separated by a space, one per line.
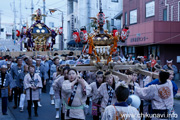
pixel 47 111
pixel 4 44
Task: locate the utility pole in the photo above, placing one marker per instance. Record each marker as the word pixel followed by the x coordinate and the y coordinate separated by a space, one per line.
pixel 14 21
pixel 44 11
pixel 20 25
pixel 20 21
pixel 0 25
pixel 32 9
pixel 62 41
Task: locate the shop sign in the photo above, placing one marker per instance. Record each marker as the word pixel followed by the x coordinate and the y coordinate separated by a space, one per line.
pixel 138 39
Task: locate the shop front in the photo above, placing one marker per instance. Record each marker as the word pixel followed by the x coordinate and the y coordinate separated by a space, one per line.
pixel 160 38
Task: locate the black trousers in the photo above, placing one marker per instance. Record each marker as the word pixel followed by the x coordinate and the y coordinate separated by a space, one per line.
pixel 30 106
pixel 44 86
pixel 4 105
pixel 17 94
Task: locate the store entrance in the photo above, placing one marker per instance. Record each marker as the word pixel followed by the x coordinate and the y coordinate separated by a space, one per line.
pixel 140 51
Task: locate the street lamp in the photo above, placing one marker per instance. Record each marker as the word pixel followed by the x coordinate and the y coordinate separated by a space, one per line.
pixel 60 42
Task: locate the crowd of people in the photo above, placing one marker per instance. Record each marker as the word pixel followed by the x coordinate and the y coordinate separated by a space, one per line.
pixel 74 92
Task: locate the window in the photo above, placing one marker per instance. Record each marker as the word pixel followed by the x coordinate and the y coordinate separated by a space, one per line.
pixel 51 24
pixel 114 0
pixel 112 22
pixel 172 10
pixel 125 18
pixel 150 9
pixel 165 14
pixel 133 16
pixel 179 11
pixel 2 29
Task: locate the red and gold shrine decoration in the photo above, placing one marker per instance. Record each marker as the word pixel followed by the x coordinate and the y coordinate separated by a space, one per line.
pixel 76 36
pixel 124 34
pixel 83 35
pixel 115 32
pixel 17 33
pixel 60 30
pixel 101 18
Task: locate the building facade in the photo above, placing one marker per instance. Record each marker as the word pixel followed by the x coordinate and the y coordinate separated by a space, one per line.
pixel 154 28
pixel 6 31
pixel 80 11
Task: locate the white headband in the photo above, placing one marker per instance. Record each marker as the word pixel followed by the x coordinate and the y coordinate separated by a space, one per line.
pixel 169 61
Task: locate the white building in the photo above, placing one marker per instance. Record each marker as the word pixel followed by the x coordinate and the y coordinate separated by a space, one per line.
pixel 79 11
pixel 6 31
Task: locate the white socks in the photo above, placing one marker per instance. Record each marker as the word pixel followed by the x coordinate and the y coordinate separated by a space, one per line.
pixel 57 114
pixel 52 102
pixel 39 104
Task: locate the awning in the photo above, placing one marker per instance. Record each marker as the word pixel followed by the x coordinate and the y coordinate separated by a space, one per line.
pixel 73 43
pixel 118 16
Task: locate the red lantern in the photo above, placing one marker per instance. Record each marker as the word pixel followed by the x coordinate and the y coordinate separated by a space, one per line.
pixel 60 30
pixel 83 36
pixel 115 33
pixel 76 36
pixel 124 34
pixel 101 18
pixel 17 33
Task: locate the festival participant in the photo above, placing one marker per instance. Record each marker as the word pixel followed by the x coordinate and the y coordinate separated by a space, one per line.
pixel 120 110
pixel 133 76
pixel 170 66
pixel 106 90
pixel 52 71
pixel 57 86
pixel 5 81
pixel 153 61
pixel 9 67
pixel 65 76
pixel 96 102
pixel 45 63
pixel 32 84
pixel 40 69
pixel 21 81
pixel 161 96
pixel 171 76
pixel 16 70
pixel 75 92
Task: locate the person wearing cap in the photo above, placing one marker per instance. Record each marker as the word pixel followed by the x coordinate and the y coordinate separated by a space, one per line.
pixel 52 71
pixel 15 71
pixel 40 69
pixel 170 66
pixel 5 81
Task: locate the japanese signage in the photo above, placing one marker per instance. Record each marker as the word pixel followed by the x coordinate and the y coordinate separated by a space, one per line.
pixel 150 9
pixel 138 39
pixel 72 23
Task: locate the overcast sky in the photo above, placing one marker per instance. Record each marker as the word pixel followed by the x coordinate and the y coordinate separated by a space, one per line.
pixel 7 6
